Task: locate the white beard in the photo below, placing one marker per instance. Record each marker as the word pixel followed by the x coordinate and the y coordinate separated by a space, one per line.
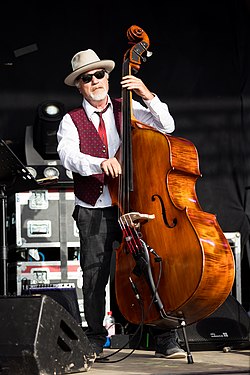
pixel 98 95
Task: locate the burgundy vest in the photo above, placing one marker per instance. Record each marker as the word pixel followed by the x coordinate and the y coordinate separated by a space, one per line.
pixel 89 188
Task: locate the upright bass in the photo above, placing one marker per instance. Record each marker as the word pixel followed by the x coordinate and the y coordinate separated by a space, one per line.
pixel 174 262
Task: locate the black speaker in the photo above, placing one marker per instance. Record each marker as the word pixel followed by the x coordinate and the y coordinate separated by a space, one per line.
pixel 65 294
pixel 39 336
pixel 227 327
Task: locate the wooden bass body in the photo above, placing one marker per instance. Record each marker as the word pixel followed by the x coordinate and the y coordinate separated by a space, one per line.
pixel 197 269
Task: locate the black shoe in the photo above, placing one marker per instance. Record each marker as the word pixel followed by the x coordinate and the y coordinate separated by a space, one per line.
pixel 169 349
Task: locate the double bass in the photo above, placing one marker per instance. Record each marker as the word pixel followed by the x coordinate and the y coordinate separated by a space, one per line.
pixel 174 263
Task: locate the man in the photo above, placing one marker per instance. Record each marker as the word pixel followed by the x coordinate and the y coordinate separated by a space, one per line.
pixel 92 159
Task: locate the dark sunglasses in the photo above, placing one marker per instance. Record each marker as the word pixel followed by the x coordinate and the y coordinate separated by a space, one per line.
pixel 86 78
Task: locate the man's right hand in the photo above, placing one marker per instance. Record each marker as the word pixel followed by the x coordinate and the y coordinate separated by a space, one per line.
pixel 111 167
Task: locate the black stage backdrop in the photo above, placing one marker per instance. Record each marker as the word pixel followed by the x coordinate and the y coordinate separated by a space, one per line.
pixel 200 66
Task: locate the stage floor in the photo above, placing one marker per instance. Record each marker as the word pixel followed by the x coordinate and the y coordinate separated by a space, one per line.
pixel 142 362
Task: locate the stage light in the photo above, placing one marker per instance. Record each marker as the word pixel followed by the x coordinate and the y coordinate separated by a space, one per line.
pixel 51 172
pixel 32 171
pixel 51 109
pixel 48 117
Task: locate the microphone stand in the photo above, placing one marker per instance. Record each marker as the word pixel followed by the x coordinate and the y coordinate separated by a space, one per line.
pixel 3 243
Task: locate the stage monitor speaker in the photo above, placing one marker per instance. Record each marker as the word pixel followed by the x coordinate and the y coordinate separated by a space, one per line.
pixel 227 327
pixel 65 294
pixel 40 337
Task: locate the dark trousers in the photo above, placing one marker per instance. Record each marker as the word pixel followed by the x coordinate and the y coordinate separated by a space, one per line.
pixel 99 232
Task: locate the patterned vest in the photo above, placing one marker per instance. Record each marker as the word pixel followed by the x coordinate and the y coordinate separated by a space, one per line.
pixel 89 188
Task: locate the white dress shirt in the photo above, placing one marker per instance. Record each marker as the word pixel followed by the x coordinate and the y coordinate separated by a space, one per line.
pixel 155 114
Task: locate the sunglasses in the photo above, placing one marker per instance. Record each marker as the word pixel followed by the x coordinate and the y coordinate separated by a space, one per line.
pixel 86 78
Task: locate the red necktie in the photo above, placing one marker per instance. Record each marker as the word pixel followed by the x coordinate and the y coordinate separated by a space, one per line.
pixel 102 131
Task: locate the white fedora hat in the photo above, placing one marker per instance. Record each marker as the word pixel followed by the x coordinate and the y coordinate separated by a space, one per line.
pixel 85 61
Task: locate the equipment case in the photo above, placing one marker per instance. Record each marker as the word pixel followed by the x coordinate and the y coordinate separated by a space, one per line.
pixel 38 218
pixel 48 274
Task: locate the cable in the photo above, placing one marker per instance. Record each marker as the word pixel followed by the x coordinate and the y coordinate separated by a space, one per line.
pixel 139 328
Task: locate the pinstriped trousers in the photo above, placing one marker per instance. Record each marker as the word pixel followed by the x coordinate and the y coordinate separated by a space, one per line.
pixel 99 230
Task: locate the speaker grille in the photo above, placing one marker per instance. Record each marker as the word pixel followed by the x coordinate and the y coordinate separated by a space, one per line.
pixel 229 326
